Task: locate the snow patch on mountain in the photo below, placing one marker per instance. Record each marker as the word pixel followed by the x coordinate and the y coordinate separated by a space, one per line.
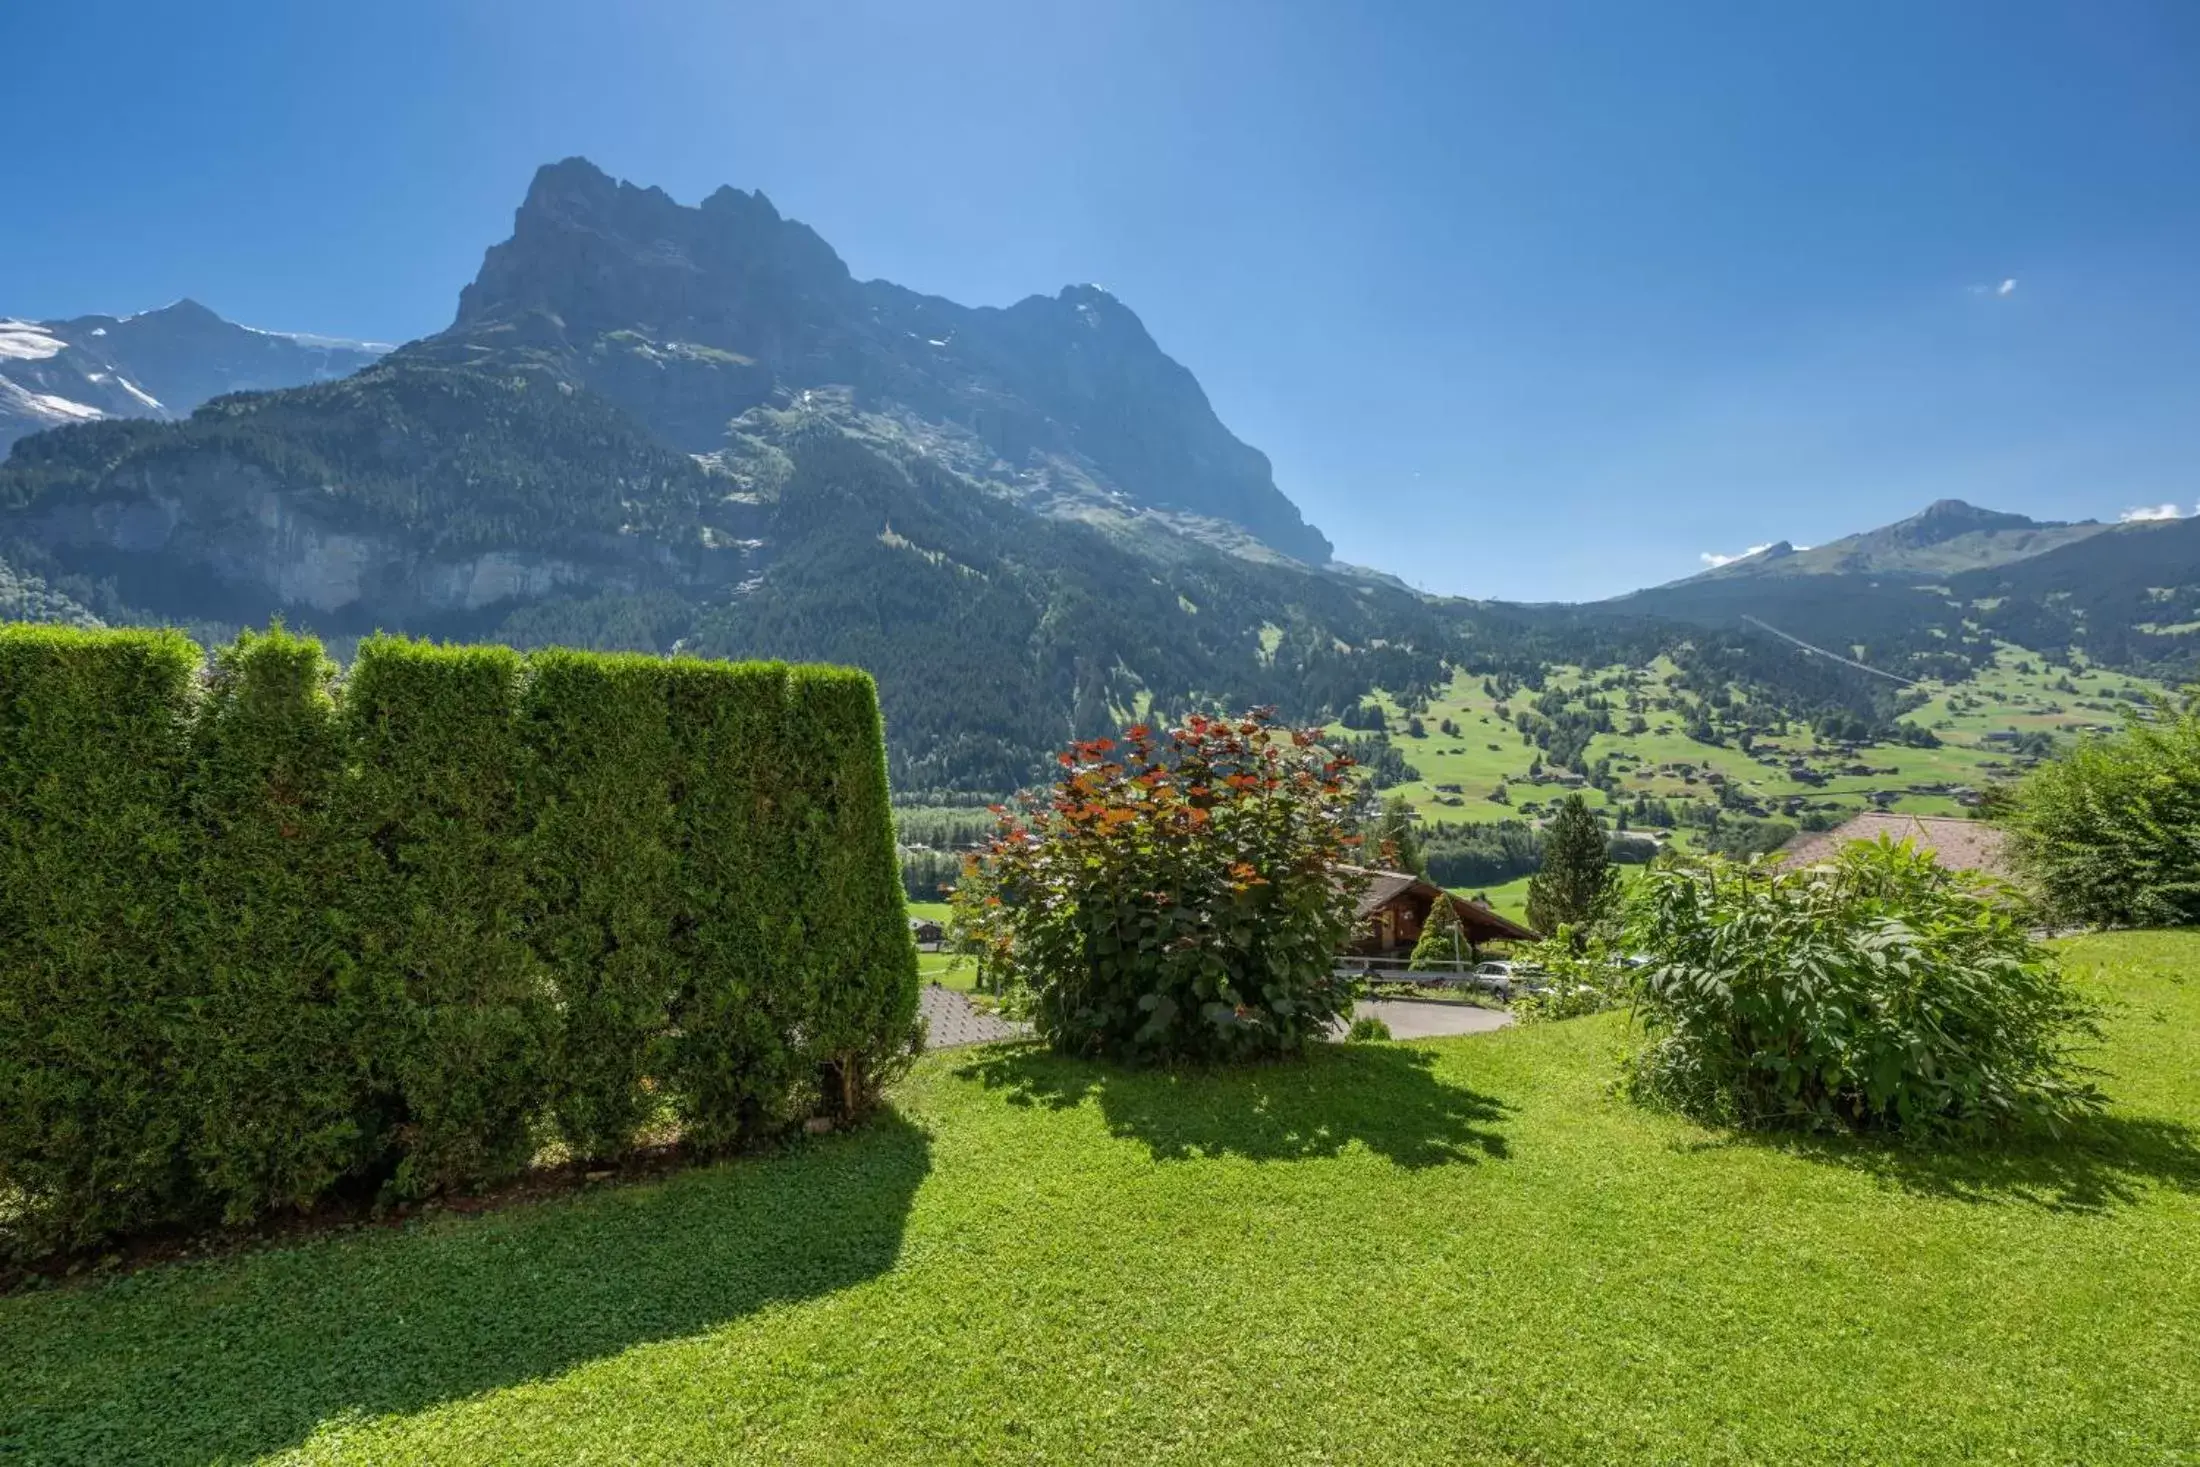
pixel 27 341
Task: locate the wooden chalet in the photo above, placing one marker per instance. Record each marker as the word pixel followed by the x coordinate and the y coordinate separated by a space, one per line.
pixel 1394 906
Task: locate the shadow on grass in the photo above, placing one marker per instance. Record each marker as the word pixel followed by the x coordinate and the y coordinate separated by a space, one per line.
pixel 1387 1098
pixel 2104 1164
pixel 227 1361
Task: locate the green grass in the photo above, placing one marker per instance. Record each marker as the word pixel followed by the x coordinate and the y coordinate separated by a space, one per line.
pixel 1459 1251
pixel 2018 692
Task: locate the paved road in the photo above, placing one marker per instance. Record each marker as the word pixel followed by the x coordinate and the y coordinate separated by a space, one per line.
pixel 1419 1019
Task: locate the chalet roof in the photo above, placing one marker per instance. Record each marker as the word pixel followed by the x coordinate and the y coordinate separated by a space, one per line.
pixel 1378 889
pixel 1960 845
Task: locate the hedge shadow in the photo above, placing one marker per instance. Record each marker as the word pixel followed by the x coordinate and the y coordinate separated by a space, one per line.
pixel 232 1360
pixel 1387 1098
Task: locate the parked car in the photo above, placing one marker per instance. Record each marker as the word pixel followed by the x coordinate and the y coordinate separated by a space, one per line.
pixel 1504 979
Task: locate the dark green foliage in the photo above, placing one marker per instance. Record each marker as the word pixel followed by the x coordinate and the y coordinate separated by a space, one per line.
pixel 1481 853
pixel 272 943
pixel 94 731
pixel 1395 844
pixel 1878 992
pixel 601 867
pixel 2109 834
pixel 738 942
pixel 465 1006
pixel 457 459
pixel 1443 942
pixel 1575 885
pixel 858 965
pixel 271 1075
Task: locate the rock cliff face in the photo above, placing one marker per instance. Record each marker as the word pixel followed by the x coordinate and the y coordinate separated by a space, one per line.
pixel 158 364
pixel 690 317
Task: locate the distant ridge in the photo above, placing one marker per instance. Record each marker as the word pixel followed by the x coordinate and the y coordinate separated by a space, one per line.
pixel 158 364
pixel 1947 537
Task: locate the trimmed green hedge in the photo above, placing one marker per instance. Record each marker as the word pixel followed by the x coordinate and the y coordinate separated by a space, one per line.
pixel 94 965
pixel 267 938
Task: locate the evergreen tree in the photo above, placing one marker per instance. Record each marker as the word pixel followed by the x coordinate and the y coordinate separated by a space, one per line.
pixel 1577 883
pixel 1395 838
pixel 1442 940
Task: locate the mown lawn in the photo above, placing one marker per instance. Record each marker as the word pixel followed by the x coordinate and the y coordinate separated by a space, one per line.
pixel 1463 1251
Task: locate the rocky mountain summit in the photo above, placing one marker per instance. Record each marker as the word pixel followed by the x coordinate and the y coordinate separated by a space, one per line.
pixel 692 317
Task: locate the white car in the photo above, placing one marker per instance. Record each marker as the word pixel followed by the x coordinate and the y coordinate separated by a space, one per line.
pixel 1504 979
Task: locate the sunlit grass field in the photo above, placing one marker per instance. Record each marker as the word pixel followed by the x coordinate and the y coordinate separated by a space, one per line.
pixel 1457 1251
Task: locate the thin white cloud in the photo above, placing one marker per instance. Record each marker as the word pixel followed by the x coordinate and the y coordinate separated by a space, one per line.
pixel 2154 512
pixel 1713 559
pixel 2007 287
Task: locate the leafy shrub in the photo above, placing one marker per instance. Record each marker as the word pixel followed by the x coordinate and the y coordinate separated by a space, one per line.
pixel 1880 992
pixel 1580 973
pixel 2109 833
pixel 1367 1029
pixel 1178 897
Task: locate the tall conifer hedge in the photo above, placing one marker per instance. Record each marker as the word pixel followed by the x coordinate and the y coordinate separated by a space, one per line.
pixel 265 935
pixel 94 969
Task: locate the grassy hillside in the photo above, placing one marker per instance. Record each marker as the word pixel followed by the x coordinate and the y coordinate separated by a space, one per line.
pixel 1988 728
pixel 1455 1251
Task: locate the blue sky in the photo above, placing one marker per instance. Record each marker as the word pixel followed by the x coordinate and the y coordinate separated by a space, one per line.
pixel 1538 301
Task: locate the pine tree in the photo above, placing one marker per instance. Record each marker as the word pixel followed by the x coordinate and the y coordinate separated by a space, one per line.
pixel 1577 883
pixel 1443 939
pixel 1395 838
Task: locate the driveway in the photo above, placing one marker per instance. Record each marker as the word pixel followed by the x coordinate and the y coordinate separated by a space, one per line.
pixel 954 1022
pixel 1421 1019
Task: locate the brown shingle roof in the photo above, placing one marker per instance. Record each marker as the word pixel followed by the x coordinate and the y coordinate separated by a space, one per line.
pixel 1960 845
pixel 1380 888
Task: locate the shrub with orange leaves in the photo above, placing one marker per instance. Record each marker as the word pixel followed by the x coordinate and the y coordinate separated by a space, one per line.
pixel 1176 895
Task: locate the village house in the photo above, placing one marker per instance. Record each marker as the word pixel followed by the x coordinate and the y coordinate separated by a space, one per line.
pixel 1959 845
pixel 1394 906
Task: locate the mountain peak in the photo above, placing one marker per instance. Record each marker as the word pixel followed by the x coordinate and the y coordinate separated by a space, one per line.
pixel 1944 519
pixel 690 316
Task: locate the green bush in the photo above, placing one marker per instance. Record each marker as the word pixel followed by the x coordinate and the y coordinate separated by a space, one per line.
pixel 94 742
pixel 1367 1029
pixel 597 777
pixel 1879 992
pixel 1443 940
pixel 739 936
pixel 270 1074
pixel 1182 898
pixel 858 962
pixel 2109 833
pixel 464 1006
pixel 288 937
pixel 1576 974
